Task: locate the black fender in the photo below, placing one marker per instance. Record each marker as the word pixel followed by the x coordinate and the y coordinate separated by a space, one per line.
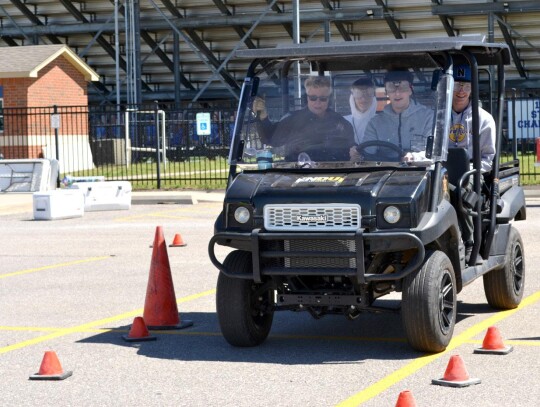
pixel 512 204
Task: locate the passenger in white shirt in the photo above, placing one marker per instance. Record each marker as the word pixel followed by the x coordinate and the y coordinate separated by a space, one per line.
pixel 363 106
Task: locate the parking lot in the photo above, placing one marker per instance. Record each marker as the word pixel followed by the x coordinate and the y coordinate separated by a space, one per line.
pixel 74 286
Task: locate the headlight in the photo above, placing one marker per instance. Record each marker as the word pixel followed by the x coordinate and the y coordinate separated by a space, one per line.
pixel 392 214
pixel 241 215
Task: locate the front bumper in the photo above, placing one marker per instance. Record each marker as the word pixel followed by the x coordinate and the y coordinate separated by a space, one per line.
pixel 256 243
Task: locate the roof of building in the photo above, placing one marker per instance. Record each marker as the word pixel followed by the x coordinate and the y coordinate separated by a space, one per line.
pixel 26 62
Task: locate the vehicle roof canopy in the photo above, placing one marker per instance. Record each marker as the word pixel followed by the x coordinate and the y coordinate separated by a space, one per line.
pixel 381 54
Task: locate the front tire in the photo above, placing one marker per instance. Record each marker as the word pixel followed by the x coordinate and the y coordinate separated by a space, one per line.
pixel 504 287
pixel 429 304
pixel 245 309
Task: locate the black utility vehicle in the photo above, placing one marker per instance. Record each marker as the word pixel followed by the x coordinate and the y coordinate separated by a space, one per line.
pixel 329 235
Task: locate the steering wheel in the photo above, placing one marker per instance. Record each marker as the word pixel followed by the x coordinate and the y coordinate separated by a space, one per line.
pixel 388 151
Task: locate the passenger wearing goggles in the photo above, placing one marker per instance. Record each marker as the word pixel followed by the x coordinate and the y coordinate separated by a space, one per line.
pixel 320 132
pixel 403 122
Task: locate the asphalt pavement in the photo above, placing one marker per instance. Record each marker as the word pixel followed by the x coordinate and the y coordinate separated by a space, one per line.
pixel 74 287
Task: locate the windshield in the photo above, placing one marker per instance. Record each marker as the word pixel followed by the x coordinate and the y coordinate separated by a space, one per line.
pixel 396 117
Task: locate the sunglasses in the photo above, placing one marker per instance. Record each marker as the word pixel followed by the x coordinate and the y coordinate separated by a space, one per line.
pixel 314 98
pixel 465 86
pixel 393 87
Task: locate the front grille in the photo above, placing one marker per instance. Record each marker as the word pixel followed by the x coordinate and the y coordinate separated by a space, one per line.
pixel 312 254
pixel 312 217
pixel 318 248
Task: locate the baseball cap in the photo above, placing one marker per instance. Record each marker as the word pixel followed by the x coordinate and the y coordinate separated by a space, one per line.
pixel 462 73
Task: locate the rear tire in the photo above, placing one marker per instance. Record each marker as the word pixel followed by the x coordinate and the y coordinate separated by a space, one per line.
pixel 504 287
pixel 429 303
pixel 245 309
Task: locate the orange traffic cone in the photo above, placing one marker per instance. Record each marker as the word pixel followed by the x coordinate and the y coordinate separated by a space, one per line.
pixel 50 368
pixel 138 332
pixel 405 399
pixel 160 310
pixel 493 343
pixel 456 374
pixel 178 241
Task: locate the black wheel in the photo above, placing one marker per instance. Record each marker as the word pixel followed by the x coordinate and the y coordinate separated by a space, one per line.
pixel 428 308
pixel 245 309
pixel 504 287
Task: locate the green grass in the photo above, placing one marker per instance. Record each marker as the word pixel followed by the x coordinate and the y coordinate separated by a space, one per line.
pixel 204 174
pixel 195 173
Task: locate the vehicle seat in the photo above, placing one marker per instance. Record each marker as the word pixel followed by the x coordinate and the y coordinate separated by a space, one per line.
pixel 457 164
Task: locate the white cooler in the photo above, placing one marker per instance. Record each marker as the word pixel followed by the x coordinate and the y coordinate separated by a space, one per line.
pixel 58 204
pixel 105 195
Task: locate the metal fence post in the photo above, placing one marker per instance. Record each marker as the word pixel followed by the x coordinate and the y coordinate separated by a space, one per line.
pixel 158 158
pixel 56 141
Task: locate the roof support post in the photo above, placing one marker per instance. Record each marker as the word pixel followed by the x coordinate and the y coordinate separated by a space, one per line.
pixel 133 52
pixel 176 69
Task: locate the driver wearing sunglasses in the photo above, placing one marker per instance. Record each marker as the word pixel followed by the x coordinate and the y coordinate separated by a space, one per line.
pixel 316 129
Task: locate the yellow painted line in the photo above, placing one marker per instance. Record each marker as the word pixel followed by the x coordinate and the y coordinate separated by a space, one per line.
pixel 522 343
pixel 91 325
pixel 51 329
pixel 171 332
pixel 53 266
pixel 104 330
pixel 410 368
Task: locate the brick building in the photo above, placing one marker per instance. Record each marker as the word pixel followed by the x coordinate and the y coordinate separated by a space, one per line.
pixel 32 80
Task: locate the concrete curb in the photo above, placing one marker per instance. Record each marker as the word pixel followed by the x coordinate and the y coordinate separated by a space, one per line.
pixel 175 197
pixel 156 199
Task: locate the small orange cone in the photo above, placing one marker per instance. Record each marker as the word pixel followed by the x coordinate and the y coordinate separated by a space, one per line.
pixel 493 343
pixel 160 310
pixel 50 368
pixel 178 241
pixel 138 332
pixel 405 399
pixel 456 374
